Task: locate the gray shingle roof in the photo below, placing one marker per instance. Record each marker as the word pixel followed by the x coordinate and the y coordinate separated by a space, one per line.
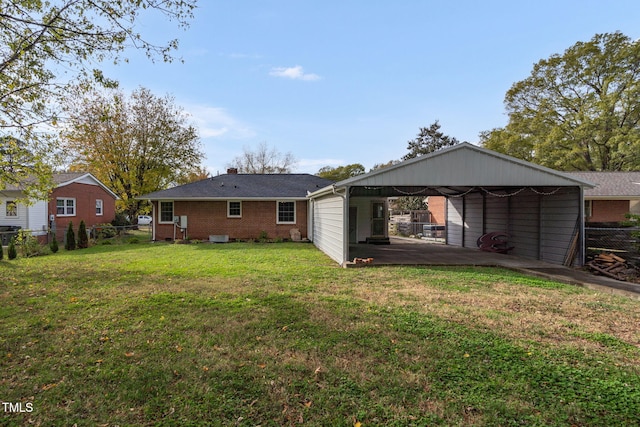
pixel 611 184
pixel 244 186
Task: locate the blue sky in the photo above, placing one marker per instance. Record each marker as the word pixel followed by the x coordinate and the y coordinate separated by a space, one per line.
pixel 341 82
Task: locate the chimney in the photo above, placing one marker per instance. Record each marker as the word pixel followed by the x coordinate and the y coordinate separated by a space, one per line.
pixel 232 171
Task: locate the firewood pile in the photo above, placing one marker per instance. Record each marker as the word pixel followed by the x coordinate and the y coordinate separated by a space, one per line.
pixel 611 265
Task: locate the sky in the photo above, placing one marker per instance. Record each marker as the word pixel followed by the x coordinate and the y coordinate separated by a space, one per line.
pixel 341 82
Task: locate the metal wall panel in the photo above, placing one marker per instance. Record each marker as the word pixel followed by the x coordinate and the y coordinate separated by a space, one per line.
pixel 454 221
pixel 473 220
pixel 524 221
pixel 328 226
pixel 559 214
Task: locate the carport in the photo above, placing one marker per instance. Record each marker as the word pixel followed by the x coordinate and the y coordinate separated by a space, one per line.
pixel 539 208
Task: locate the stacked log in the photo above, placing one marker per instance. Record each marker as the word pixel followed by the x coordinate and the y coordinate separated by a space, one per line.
pixel 611 265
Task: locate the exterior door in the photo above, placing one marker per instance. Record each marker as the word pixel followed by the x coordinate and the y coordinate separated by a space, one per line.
pixel 378 219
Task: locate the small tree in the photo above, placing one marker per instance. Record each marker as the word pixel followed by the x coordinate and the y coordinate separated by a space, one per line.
pixel 83 239
pixel 70 244
pixel 53 245
pixel 12 252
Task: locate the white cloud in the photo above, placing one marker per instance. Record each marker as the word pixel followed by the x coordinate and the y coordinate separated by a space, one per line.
pixel 213 122
pixel 294 73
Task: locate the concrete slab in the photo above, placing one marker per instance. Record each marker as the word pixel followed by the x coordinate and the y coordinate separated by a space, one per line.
pixel 405 251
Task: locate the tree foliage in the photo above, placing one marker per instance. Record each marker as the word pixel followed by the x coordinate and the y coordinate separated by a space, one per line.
pixel 341 172
pixel 136 144
pixel 70 240
pixel 263 160
pixel 44 45
pixel 428 140
pixel 577 111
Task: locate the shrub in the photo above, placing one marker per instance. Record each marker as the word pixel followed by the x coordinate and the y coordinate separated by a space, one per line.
pixel 105 231
pixel 53 245
pixel 134 240
pixel 1 252
pixel 83 239
pixel 12 253
pixel 28 243
pixel 120 220
pixel 263 236
pixel 70 243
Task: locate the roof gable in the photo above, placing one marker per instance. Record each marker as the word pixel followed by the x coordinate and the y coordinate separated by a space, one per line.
pixel 464 165
pixel 244 186
pixel 64 179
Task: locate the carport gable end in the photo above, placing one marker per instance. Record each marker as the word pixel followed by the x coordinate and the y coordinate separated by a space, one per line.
pixel 540 208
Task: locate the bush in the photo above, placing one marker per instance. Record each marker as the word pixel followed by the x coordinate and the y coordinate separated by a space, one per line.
pixel 1 252
pixel 120 220
pixel 105 231
pixel 12 253
pixel 28 243
pixel 70 244
pixel 53 245
pixel 83 239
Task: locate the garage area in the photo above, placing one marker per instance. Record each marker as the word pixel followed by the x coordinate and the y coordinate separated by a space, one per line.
pixel 539 209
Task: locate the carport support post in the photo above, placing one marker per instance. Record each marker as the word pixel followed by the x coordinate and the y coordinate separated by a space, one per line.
pixel 345 226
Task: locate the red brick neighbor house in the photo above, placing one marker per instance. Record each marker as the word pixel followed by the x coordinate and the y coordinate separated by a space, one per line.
pixel 79 197
pixel 615 194
pixel 235 207
pixel 75 197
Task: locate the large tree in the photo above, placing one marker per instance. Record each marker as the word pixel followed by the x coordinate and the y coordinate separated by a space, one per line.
pixel 263 160
pixel 341 172
pixel 428 140
pixel 136 144
pixel 577 111
pixel 44 45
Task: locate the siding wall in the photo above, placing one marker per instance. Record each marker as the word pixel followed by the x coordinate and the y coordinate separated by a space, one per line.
pixel 540 226
pixel 328 226
pixel 559 214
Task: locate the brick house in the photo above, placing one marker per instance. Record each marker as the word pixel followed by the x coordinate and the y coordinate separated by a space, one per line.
pixel 615 194
pixel 79 197
pixel 75 197
pixel 234 206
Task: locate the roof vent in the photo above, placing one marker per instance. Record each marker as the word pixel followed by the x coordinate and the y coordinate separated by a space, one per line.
pixel 232 171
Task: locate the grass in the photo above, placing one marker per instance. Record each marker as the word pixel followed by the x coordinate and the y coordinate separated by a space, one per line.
pixel 278 334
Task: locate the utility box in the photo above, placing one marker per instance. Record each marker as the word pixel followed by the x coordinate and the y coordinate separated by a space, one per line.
pixel 183 221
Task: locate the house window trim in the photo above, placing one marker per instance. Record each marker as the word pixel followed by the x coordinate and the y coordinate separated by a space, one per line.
pixel 229 215
pixel 588 208
pixel 295 217
pixel 6 209
pixel 99 212
pixel 65 214
pixel 173 207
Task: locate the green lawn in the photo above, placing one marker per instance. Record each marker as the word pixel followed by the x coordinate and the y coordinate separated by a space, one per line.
pixel 278 334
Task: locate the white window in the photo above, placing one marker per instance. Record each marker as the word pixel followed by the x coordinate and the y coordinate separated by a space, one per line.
pixel 588 208
pixel 65 206
pixel 234 209
pixel 286 212
pixel 99 207
pixel 166 212
pixel 11 209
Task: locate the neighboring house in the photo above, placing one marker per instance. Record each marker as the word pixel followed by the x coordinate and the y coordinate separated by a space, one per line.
pixel 79 197
pixel 615 194
pixel 235 207
pixel 75 197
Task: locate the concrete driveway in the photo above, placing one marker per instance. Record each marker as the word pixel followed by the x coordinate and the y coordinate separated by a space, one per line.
pixel 406 251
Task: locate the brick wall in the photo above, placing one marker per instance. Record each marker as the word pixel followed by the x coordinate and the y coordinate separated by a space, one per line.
pixel 86 196
pixel 207 218
pixel 436 206
pixel 608 210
